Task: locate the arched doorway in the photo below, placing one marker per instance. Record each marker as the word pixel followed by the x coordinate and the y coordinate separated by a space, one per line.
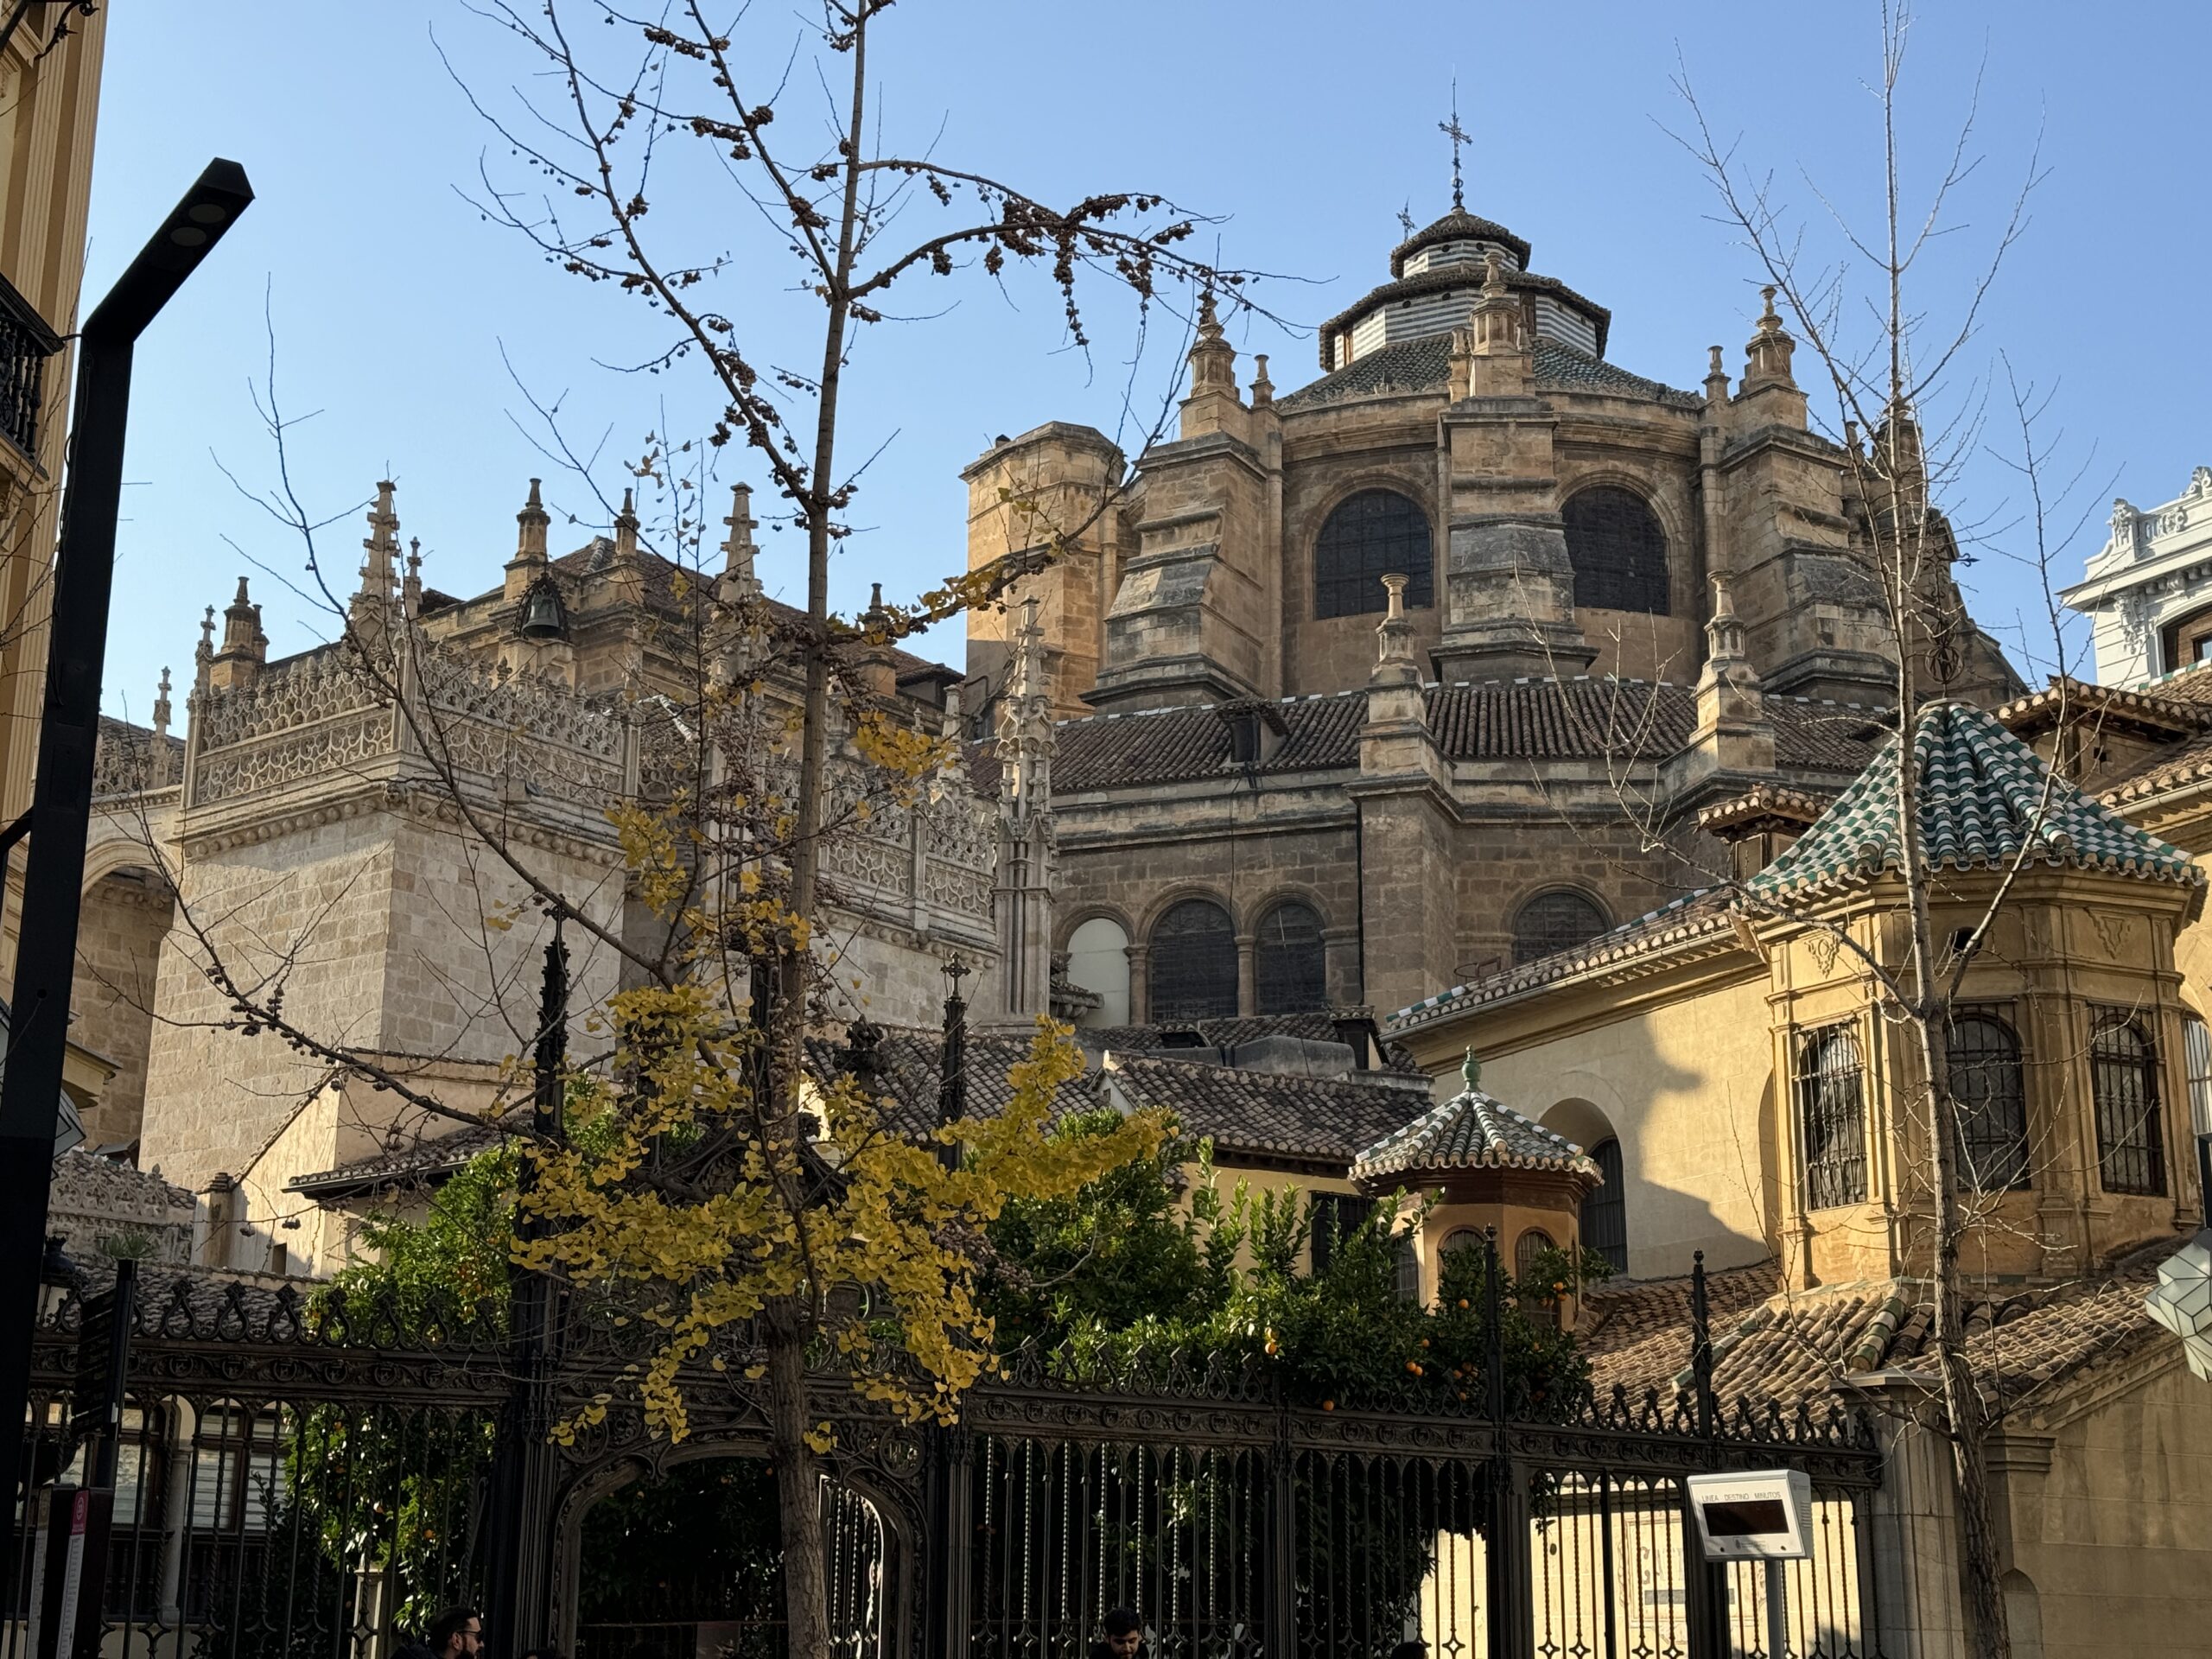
pixel 688 1565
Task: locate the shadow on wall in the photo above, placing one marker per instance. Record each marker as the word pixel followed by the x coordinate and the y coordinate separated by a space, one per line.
pixel 1695 1153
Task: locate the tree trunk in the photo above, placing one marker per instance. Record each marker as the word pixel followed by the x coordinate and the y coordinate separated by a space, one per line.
pixel 798 1494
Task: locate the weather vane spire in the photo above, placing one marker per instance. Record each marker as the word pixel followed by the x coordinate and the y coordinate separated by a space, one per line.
pixel 1453 131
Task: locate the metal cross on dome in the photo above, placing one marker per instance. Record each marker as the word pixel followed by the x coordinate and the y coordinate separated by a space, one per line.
pixel 1457 135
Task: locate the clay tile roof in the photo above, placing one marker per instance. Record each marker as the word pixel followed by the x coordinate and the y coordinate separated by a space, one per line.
pixel 1471 1130
pixel 1320 1026
pixel 1788 1348
pixel 2183 762
pixel 1539 718
pixel 1424 365
pixel 1705 916
pixel 1458 225
pixel 1318 1120
pixel 1985 800
pixel 1769 803
pixel 424 1162
pixel 2155 716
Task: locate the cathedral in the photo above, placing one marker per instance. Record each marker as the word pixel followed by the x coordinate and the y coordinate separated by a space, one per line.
pixel 1472 648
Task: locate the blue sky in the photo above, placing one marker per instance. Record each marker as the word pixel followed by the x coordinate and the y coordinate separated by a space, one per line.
pixel 397 308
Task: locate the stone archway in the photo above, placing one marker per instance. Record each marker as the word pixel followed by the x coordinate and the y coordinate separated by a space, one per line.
pixel 676 1554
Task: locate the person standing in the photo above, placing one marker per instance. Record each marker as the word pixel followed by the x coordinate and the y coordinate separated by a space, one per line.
pixel 457 1633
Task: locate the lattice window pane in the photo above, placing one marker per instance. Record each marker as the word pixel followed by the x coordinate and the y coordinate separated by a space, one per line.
pixel 1193 962
pixel 1553 922
pixel 1832 1116
pixel 2196 1049
pixel 1605 1210
pixel 1531 1244
pixel 2124 1087
pixel 1372 535
pixel 1618 551
pixel 1290 963
pixel 1992 1114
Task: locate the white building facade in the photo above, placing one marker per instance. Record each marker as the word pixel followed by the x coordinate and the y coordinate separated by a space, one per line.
pixel 2148 592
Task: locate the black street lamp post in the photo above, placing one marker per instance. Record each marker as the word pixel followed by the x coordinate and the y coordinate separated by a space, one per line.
pixel 84 579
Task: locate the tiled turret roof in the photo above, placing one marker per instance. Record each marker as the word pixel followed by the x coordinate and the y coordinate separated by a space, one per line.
pixel 1985 801
pixel 1471 1130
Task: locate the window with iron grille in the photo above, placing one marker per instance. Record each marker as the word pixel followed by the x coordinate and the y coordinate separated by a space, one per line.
pixel 1337 1216
pixel 1603 1221
pixel 1832 1117
pixel 1289 963
pixel 1407 1263
pixel 1193 964
pixel 2196 1052
pixel 1372 535
pixel 2123 1090
pixel 1552 922
pixel 1993 1111
pixel 1618 550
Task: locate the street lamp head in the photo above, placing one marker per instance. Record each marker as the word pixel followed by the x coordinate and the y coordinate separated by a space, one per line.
pixel 192 227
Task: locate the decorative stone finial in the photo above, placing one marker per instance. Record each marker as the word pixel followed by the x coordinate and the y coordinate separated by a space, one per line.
pixel 530 528
pixel 1472 1069
pixel 737 547
pixel 161 706
pixel 1212 358
pixel 1766 359
pixel 1263 389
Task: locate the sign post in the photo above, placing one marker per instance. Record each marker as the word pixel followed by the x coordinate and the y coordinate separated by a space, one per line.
pixel 1762 1516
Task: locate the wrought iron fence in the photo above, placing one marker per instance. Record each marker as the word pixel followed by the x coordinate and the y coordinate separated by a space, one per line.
pixel 316 1479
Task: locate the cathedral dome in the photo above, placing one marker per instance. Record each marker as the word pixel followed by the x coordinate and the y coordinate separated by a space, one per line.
pixel 1436 277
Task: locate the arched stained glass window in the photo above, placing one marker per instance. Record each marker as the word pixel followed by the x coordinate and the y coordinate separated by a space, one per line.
pixel 1193 964
pixel 1553 922
pixel 1992 1137
pixel 1604 1208
pixel 1290 963
pixel 1371 535
pixel 2124 1088
pixel 1618 550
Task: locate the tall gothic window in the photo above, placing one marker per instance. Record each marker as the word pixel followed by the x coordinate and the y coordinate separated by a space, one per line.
pixel 1832 1116
pixel 1290 967
pixel 1993 1138
pixel 1604 1208
pixel 1618 550
pixel 2124 1089
pixel 1555 921
pixel 1371 535
pixel 1193 964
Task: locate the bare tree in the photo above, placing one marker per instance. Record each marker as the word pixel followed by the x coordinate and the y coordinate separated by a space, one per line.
pixel 1887 357
pixel 761 738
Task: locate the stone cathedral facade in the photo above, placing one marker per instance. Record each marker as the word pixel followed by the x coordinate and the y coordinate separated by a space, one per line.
pixel 336 833
pixel 1623 604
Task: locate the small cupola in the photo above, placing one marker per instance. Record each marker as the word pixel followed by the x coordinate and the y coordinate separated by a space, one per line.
pixel 1489 1166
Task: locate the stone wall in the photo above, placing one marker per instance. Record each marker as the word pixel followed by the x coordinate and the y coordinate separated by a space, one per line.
pixel 125 917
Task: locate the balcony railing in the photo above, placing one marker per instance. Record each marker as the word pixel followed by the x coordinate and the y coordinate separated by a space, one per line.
pixel 25 342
